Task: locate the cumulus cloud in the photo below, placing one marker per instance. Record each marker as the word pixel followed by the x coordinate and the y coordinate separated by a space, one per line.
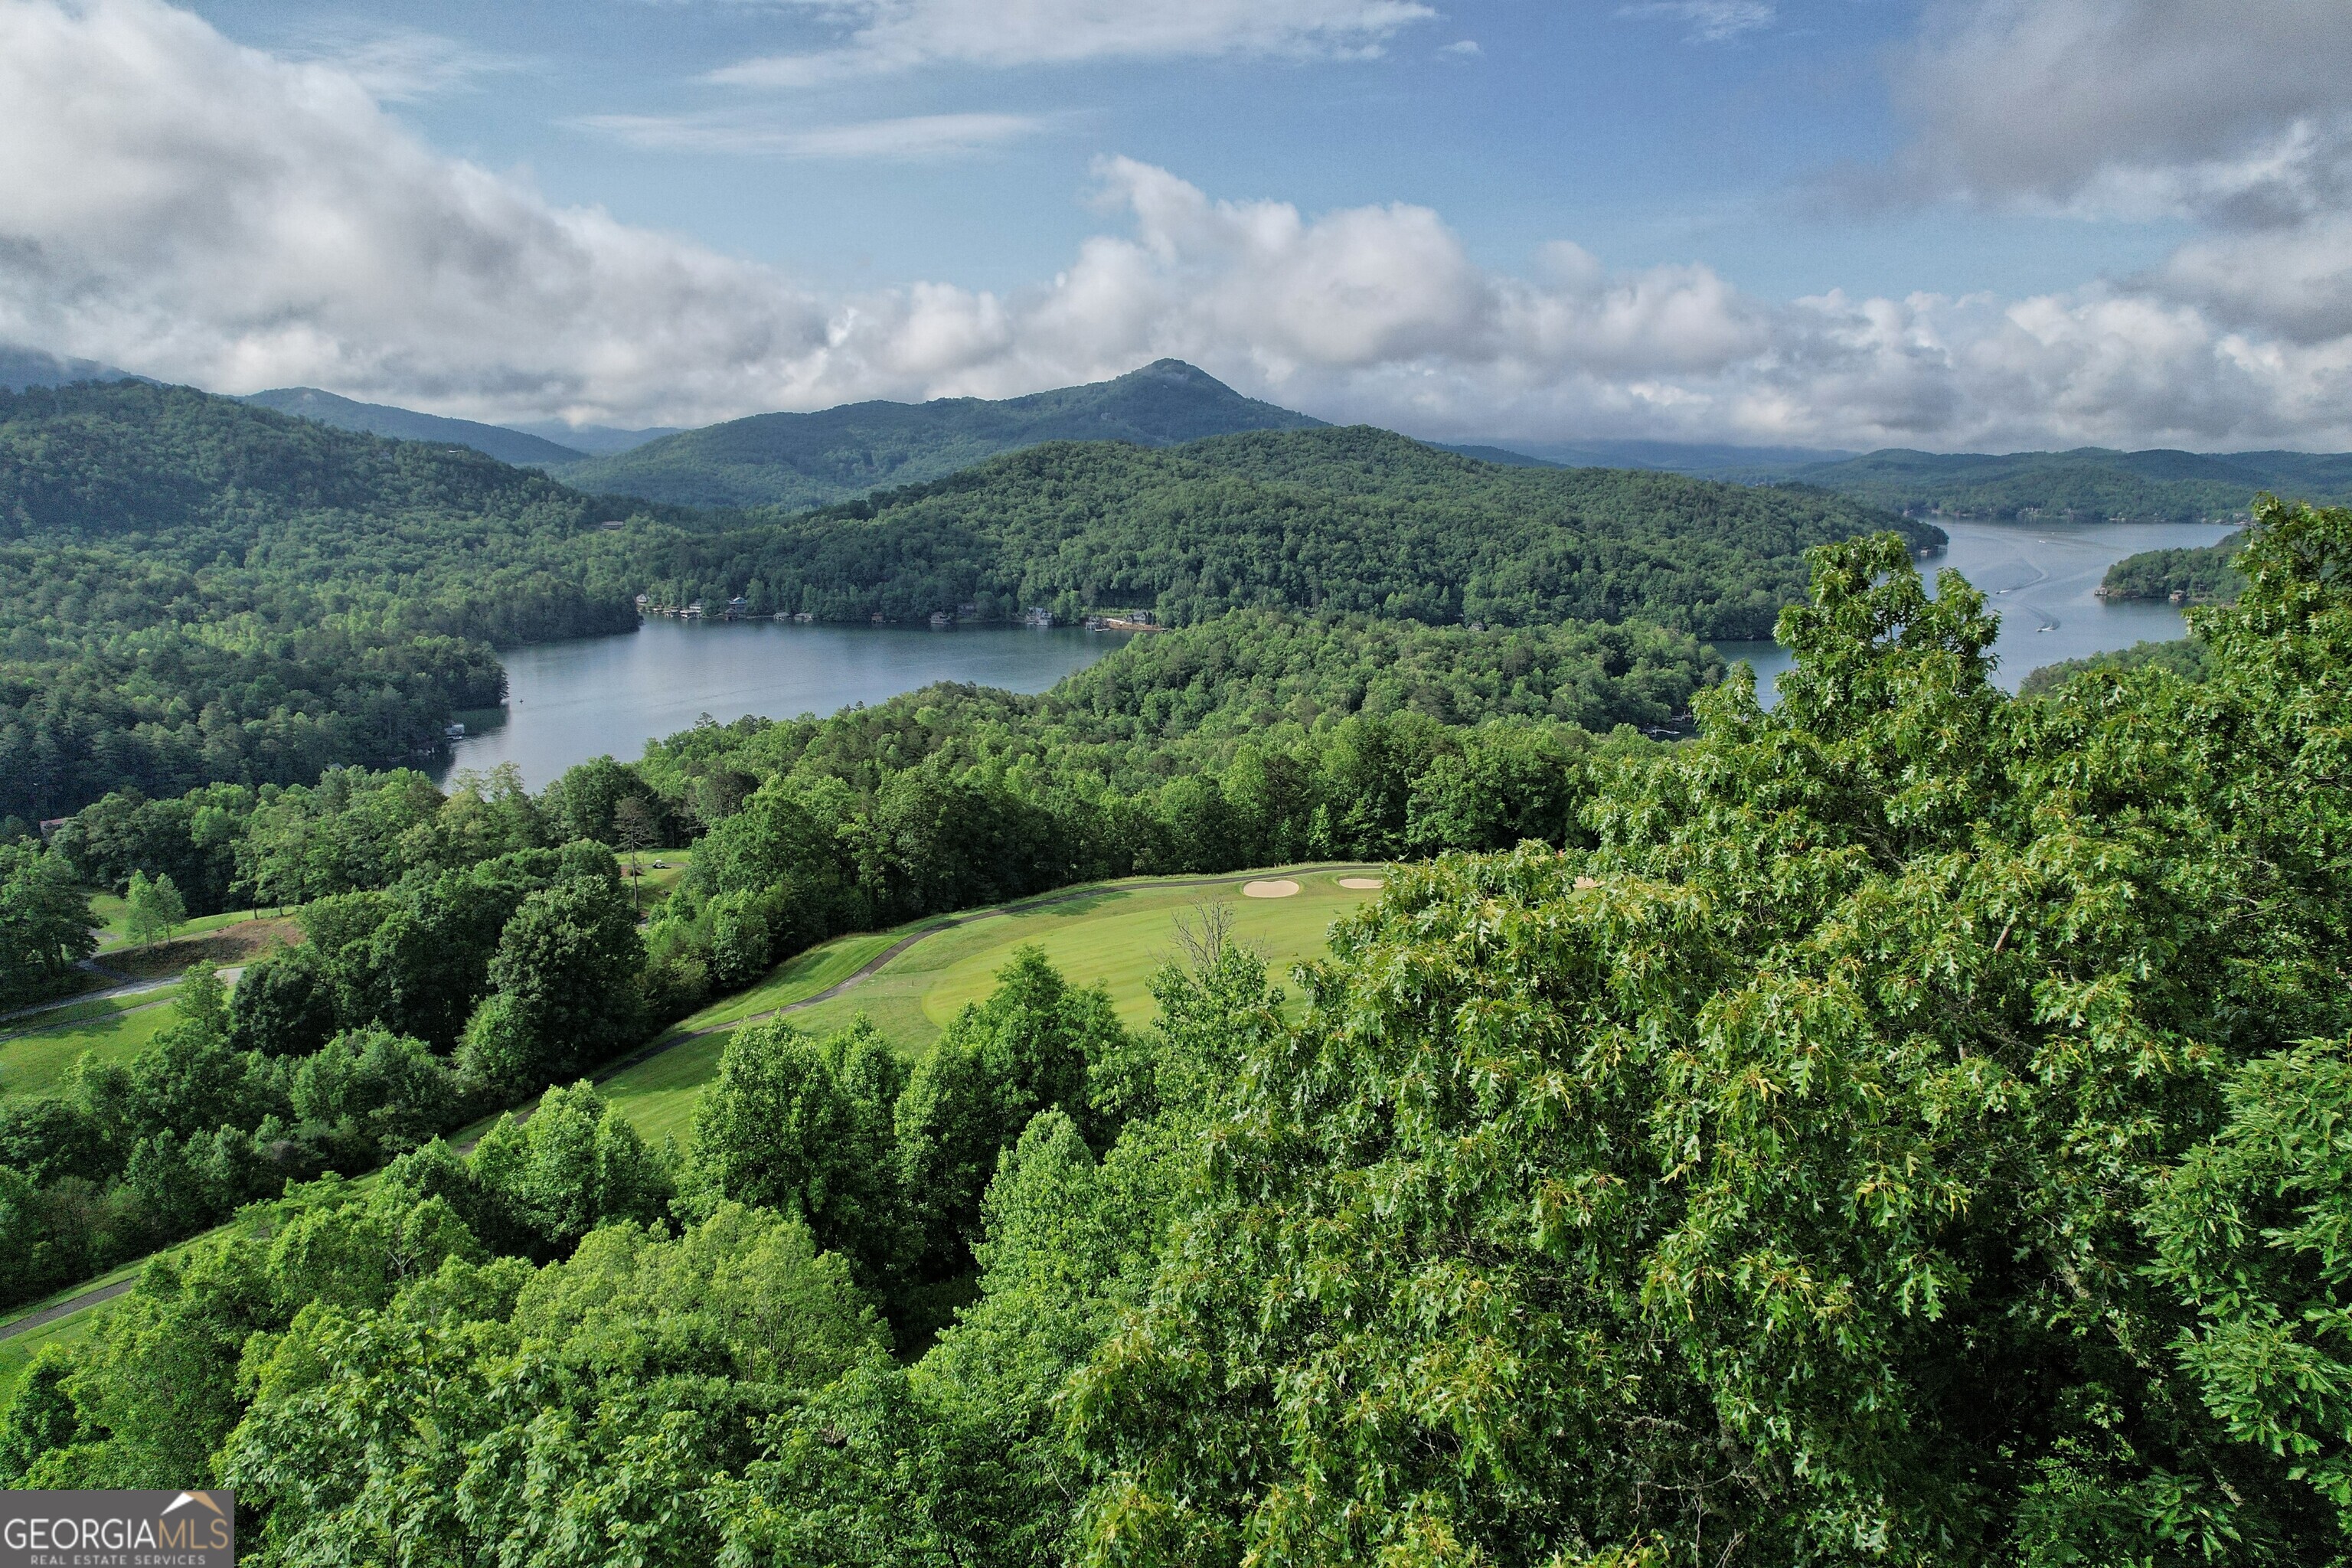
pixel 907 138
pixel 887 36
pixel 191 209
pixel 2210 108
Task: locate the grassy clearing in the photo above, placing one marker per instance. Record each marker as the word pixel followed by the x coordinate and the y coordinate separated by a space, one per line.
pixel 112 913
pixel 16 1354
pixel 1117 935
pixel 235 942
pixel 117 1029
pixel 654 882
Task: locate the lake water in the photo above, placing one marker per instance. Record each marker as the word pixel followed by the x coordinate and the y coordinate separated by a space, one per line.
pixel 568 701
pixel 2039 579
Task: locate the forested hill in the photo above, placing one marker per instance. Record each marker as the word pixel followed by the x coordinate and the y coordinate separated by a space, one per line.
pixel 194 589
pixel 407 424
pixel 811 459
pixel 2091 482
pixel 1339 521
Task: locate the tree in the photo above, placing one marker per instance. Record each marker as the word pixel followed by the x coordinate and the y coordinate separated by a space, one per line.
pixel 803 1127
pixel 635 830
pixel 1771 1183
pixel 154 908
pixel 567 987
pixel 45 924
pixel 1028 1047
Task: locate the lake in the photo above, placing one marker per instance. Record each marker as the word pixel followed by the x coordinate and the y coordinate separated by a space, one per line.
pixel 568 701
pixel 2039 578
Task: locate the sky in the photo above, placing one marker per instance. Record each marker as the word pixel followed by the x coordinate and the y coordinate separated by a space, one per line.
pixel 1958 225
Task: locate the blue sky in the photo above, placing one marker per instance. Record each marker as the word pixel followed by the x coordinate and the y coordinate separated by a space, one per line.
pixel 1941 223
pixel 1647 135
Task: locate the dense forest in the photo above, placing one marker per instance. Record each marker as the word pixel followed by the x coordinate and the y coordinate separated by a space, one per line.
pixel 195 590
pixel 796 460
pixel 2201 575
pixel 1901 1126
pixel 1345 521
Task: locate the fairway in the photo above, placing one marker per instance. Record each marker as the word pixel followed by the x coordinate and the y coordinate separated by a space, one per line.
pixel 1116 935
pixel 115 1028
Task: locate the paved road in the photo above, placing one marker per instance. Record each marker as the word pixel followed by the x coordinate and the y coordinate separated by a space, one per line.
pixel 647 1052
pixel 133 988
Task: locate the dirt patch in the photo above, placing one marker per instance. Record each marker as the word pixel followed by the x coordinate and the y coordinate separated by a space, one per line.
pixel 230 944
pixel 1281 888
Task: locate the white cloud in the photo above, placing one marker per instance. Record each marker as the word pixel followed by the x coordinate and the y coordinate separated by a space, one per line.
pixel 1464 47
pixel 885 36
pixel 907 139
pixel 2134 108
pixel 1710 21
pixel 187 208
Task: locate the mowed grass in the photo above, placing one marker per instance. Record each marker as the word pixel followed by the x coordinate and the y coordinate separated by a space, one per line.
pixel 16 1354
pixel 116 1029
pixel 1116 935
pixel 113 915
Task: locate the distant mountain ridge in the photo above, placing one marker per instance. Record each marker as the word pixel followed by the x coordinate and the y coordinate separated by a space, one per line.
pixel 595 440
pixel 800 460
pixel 2089 483
pixel 519 447
pixel 21 368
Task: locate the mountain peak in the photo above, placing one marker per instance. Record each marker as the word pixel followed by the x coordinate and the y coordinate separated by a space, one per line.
pixel 835 453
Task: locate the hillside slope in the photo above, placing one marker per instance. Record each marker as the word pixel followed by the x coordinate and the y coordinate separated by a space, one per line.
pixel 1339 521
pixel 812 460
pixel 2090 483
pixel 194 589
pixel 407 424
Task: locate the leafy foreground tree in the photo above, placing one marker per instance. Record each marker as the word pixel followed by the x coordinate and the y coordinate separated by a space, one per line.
pixel 1896 1143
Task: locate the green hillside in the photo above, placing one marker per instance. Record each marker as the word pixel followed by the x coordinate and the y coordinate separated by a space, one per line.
pixel 195 589
pixel 1339 521
pixel 810 459
pixel 2199 576
pixel 407 424
pixel 2091 483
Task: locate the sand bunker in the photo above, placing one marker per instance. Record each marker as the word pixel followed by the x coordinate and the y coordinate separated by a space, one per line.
pixel 1361 884
pixel 1279 890
pixel 1586 882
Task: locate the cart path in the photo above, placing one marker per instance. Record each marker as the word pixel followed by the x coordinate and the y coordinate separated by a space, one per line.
pixel 647 1052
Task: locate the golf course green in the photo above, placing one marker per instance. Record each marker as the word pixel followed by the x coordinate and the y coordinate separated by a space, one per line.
pixel 1117 934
